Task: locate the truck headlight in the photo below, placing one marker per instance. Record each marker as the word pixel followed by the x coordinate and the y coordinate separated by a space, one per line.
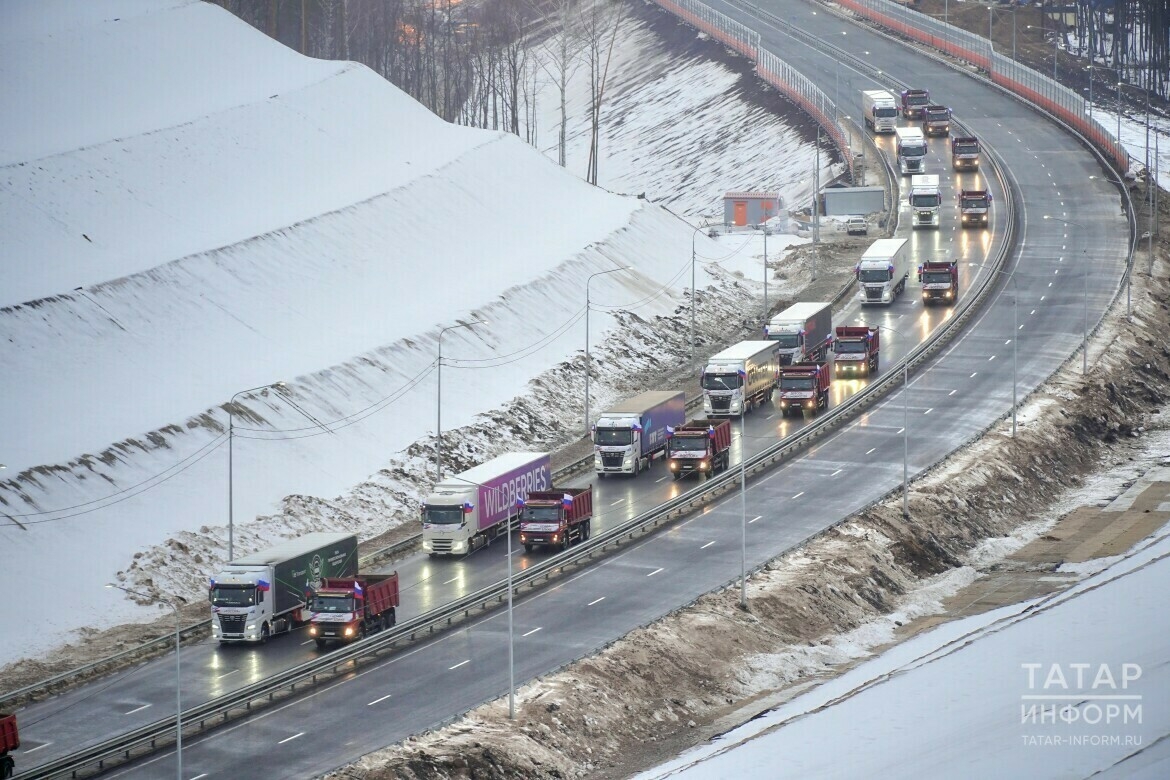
pixel 349 630
pixel 556 537
pixel 783 404
pixel 459 546
pixel 251 627
pixel 312 631
pixel 674 465
pixel 523 538
pixel 702 465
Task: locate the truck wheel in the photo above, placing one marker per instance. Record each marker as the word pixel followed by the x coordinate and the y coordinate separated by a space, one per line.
pixel 321 644
pixel 587 531
pixel 7 765
pixel 264 634
pixel 392 619
pixel 528 548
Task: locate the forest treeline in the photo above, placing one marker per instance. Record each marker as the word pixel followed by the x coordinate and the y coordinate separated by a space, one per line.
pixel 1132 36
pixel 476 63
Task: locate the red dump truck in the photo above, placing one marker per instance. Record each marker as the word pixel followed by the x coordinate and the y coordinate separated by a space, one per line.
pixel 347 608
pixel 804 388
pixel 855 351
pixel 914 102
pixel 940 282
pixel 555 518
pixel 9 741
pixel 702 446
pixel 964 152
pixel 975 208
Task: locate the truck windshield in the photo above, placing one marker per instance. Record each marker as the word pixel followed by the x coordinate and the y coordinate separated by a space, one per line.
pixel 233 595
pixel 720 382
pixel 936 113
pixel 443 515
pixel 796 382
pixel 333 604
pixel 925 201
pixel 966 148
pixel 541 514
pixel 889 112
pixel 689 443
pixel 613 437
pixel 936 277
pixel 786 340
pixel 849 347
pixel 917 100
pixel 876 275
pixel 974 203
pixel 913 150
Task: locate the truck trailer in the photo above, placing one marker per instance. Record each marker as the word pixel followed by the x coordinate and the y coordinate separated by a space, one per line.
pixel 9 741
pixel 975 208
pixel 468 510
pixel 911 150
pixel 345 609
pixel 964 152
pixel 925 200
pixel 936 120
pixel 804 332
pixel 880 110
pixel 914 102
pixel 556 518
pixel 267 593
pixel 804 388
pixel 855 351
pixel 702 446
pixel 940 282
pixel 628 435
pixel 740 378
pixel 883 270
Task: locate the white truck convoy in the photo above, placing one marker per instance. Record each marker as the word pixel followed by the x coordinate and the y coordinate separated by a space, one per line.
pixel 880 109
pixel 740 378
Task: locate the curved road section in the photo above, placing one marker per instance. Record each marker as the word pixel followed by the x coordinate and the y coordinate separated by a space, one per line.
pixel 1065 274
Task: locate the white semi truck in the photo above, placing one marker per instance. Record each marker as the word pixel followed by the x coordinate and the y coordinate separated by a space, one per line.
pixel 925 201
pixel 804 332
pixel 471 508
pixel 627 435
pixel 267 593
pixel 740 378
pixel 911 150
pixel 883 270
pixel 880 109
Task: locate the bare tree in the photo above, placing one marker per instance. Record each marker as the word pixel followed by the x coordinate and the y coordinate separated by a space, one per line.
pixel 600 27
pixel 563 56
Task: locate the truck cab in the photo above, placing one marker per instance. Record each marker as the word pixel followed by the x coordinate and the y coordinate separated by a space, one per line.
pixel 617 444
pixel 556 518
pixel 700 447
pixel 975 208
pixel 914 102
pixel 925 200
pixel 964 153
pixel 347 609
pixel 936 120
pixel 450 520
pixel 855 351
pixel 242 605
pixel 804 388
pixel 911 150
pixel 940 282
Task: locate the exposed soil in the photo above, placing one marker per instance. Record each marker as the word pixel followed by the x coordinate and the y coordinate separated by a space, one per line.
pixel 850 591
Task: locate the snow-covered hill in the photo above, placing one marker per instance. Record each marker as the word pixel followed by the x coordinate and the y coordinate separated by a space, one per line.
pixel 189 210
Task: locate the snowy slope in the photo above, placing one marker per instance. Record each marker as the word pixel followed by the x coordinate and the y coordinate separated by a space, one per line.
pixel 957 701
pixel 234 215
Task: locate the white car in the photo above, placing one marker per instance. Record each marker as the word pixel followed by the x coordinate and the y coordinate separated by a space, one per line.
pixel 857 226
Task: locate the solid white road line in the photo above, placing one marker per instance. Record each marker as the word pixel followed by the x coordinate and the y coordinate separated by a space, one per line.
pixel 708 544
pixel 448 582
pixel 666 477
pixel 835 473
pixel 615 503
pixel 375 701
pixel 870 452
pixel 311 641
pixel 798 495
pixel 651 574
pixel 136 709
pixel 461 663
pixel 38 747
pixel 290 739
pixel 533 631
pixel 760 517
pixel 595 601
pixel 233 671
pixel 199 777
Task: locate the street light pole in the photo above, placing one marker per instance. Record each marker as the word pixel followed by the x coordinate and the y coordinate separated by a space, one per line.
pixel 231 447
pixel 178 676
pixel 743 505
pixel 694 235
pixel 439 398
pixel 588 364
pixel 1085 337
pixel 765 272
pixel 511 655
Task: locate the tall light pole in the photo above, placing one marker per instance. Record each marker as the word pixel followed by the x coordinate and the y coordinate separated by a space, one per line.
pixel 905 423
pixel 743 504
pixel 765 272
pixel 231 438
pixel 511 656
pixel 588 364
pixel 816 210
pixel 178 677
pixel 439 398
pixel 694 235
pixel 1085 338
pixel 1011 275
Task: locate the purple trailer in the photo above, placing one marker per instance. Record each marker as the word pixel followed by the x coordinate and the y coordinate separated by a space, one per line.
pixel 468 510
